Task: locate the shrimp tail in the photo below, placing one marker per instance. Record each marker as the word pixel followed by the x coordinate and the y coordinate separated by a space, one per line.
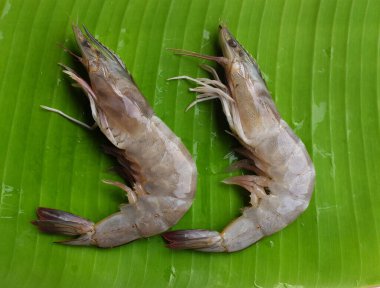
pixel 201 240
pixel 64 223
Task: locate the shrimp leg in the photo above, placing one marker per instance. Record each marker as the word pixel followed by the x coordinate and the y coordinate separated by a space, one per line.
pixel 86 88
pixel 72 119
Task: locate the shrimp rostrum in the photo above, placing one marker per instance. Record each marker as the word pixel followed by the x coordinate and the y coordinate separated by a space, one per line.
pixel 283 180
pixel 160 170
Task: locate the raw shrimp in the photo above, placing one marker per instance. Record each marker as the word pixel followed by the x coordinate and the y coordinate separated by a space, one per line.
pixel 284 180
pixel 152 158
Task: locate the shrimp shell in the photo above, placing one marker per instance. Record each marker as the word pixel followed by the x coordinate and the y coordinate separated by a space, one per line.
pixel 152 157
pixel 284 181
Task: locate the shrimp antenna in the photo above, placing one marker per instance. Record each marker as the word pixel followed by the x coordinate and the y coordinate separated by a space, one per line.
pixel 218 59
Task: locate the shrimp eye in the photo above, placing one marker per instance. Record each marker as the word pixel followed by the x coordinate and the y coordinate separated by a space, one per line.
pixel 232 43
pixel 85 43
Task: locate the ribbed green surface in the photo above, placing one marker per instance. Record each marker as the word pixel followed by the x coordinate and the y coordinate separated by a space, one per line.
pixel 321 62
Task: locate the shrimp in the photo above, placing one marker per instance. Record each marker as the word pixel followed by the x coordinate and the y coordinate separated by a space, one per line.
pixel 152 157
pixel 284 176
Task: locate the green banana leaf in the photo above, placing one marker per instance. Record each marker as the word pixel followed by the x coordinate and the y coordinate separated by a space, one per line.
pixel 321 62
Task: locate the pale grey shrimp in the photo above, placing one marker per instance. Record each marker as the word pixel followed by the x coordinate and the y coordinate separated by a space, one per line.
pixel 284 180
pixel 161 170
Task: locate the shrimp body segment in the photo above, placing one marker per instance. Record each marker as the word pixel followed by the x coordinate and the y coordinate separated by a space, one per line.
pixel 284 181
pixel 152 158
